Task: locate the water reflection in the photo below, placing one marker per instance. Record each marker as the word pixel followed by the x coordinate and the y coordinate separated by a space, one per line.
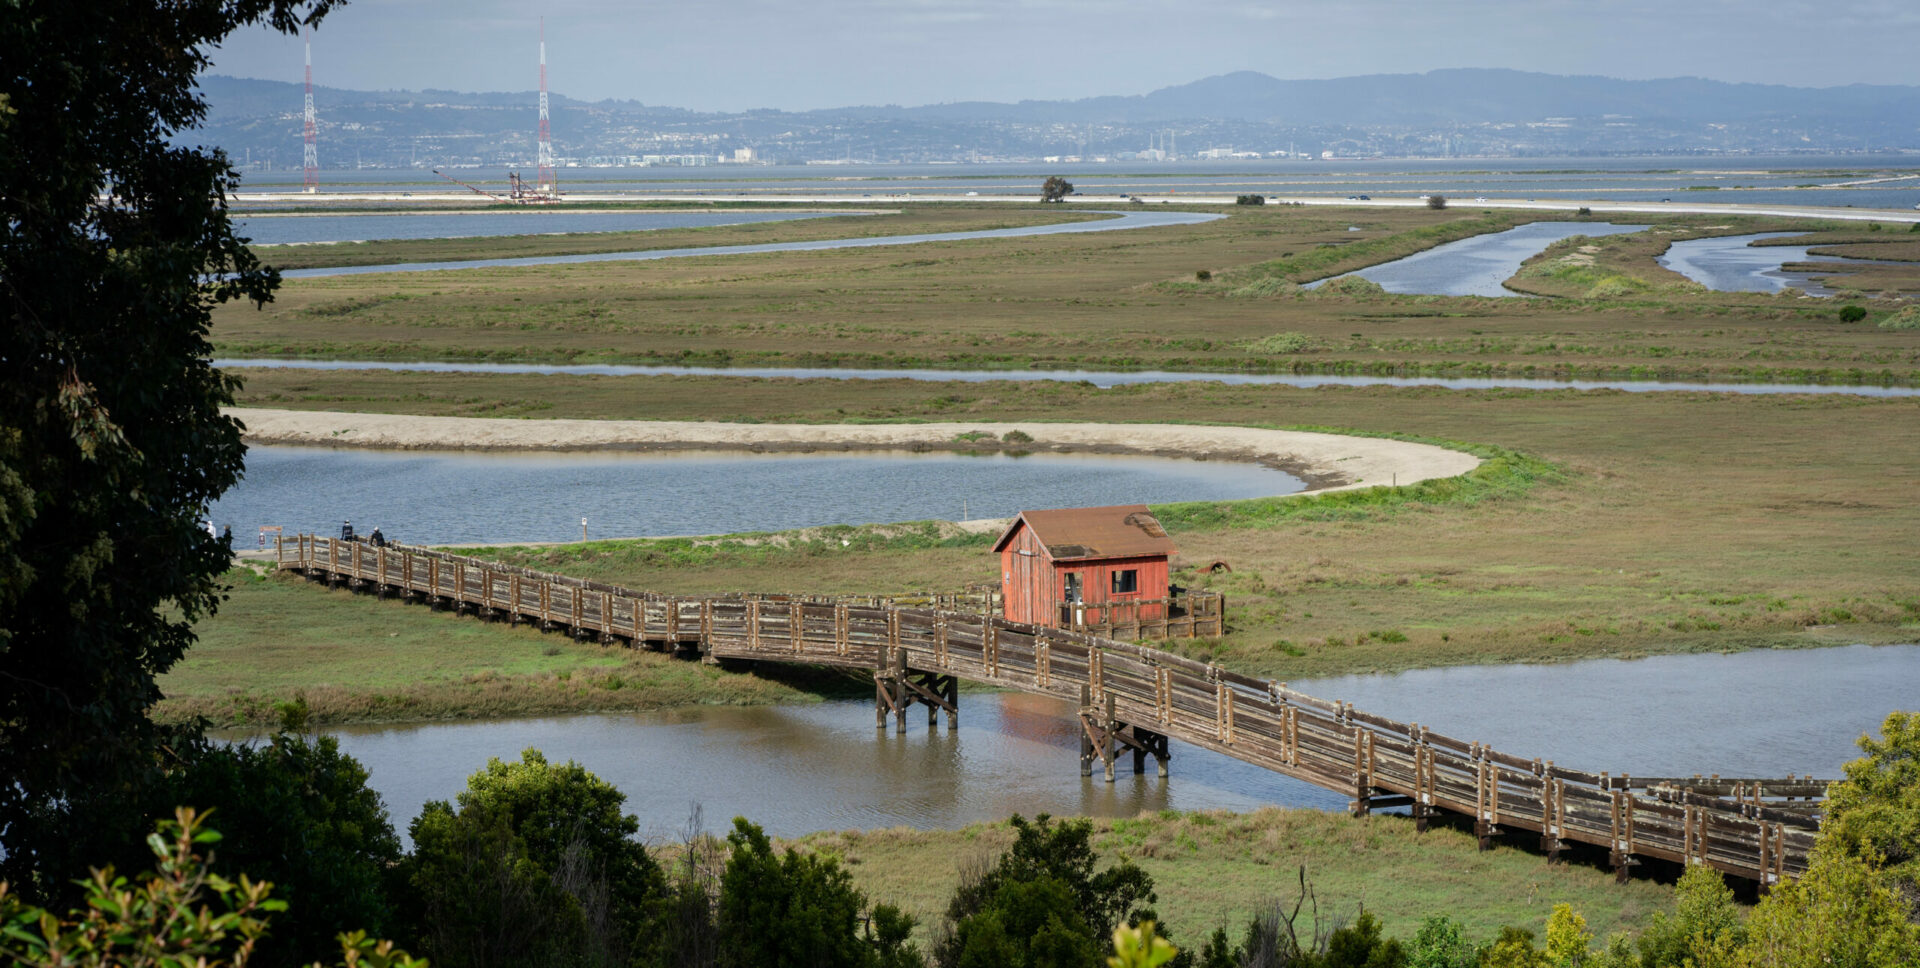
pixel 1732 263
pixel 441 498
pixel 1479 266
pixel 282 229
pixel 1099 378
pixel 1124 220
pixel 798 769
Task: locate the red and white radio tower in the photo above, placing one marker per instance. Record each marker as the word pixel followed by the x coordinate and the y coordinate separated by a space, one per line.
pixel 547 182
pixel 312 157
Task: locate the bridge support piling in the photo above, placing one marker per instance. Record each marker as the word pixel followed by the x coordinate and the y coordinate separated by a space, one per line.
pixel 1103 735
pixel 896 690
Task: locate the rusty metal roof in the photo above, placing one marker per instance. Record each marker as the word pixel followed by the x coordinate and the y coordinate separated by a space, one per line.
pixel 1069 534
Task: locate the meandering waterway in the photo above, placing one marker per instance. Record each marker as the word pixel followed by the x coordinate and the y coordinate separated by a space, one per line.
pixel 1122 221
pixel 1481 265
pixel 444 498
pixel 1733 263
pixel 797 769
pixel 1099 378
pixel 264 229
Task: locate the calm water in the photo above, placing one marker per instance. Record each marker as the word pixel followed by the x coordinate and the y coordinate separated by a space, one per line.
pixel 1479 266
pixel 1731 263
pixel 1126 220
pixel 797 769
pixel 277 229
pixel 440 498
pixel 1099 378
pixel 1757 180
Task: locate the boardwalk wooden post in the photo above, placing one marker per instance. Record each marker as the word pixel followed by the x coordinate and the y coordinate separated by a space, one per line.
pixel 1086 734
pixel 882 695
pixel 899 678
pixel 1745 827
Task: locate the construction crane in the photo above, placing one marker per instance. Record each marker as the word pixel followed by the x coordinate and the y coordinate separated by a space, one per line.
pixel 520 191
pixel 472 188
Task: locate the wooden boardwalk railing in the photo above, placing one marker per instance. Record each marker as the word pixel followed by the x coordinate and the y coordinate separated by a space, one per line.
pixel 1132 697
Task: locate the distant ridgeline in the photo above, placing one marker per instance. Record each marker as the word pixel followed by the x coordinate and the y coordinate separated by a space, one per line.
pixel 1458 112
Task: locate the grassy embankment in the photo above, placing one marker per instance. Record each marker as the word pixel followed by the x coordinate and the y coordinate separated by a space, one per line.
pixel 1624 267
pixel 358 659
pixel 1100 300
pixel 878 222
pixel 1219 868
pixel 1667 523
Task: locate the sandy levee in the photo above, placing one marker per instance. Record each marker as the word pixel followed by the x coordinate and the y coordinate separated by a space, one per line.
pixel 1324 461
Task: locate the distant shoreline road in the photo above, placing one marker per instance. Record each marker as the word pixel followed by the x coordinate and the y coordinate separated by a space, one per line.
pixel 1597 207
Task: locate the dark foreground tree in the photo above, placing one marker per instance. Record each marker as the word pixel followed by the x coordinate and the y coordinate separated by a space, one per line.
pixel 116 246
pixel 801 909
pixel 537 867
pixel 1043 902
pixel 182 913
pixel 1055 189
pixel 296 812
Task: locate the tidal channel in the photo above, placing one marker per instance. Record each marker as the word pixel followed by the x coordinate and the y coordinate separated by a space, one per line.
pixel 798 769
pixel 448 498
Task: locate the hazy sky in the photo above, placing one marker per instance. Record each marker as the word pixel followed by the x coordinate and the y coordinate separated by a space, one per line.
pixel 737 54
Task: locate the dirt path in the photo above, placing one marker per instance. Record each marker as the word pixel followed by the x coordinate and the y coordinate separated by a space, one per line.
pixel 1324 461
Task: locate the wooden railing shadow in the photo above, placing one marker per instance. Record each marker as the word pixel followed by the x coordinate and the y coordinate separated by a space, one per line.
pixel 1133 699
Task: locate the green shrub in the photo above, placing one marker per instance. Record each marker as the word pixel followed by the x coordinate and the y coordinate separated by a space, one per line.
pixel 1350 285
pixel 1908 318
pixel 1250 200
pixel 1016 437
pixel 1281 343
pixel 1436 202
pixel 1268 286
pixel 1203 275
pixel 1852 314
pixel 1583 211
pixel 1615 286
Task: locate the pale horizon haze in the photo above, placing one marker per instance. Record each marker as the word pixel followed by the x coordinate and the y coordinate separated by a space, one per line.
pixel 732 55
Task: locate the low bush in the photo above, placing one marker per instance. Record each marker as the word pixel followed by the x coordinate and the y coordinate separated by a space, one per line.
pixel 1350 285
pixel 1250 200
pixel 1268 286
pixel 1908 318
pixel 1852 314
pixel 1281 343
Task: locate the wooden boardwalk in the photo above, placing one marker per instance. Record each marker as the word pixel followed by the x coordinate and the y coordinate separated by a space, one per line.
pixel 1132 698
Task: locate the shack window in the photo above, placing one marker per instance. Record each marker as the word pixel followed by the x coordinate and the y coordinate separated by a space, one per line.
pixel 1126 581
pixel 1073 588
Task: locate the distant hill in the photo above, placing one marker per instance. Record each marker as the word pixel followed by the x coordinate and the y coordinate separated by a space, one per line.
pixel 1460 112
pixel 1462 96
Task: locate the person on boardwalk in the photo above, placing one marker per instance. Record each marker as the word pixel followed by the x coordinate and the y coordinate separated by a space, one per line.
pixel 346 531
pixel 226 535
pixel 379 540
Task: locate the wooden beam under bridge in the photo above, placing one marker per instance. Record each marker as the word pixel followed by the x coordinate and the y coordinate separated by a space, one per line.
pixel 918 650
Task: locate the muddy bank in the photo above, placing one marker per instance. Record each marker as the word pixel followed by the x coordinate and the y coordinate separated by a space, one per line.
pixel 1325 461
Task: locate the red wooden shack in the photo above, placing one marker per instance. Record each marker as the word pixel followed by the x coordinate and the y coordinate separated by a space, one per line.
pixel 1088 556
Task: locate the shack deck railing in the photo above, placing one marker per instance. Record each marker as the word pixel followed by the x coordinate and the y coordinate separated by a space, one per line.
pixel 1186 616
pixel 1134 697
